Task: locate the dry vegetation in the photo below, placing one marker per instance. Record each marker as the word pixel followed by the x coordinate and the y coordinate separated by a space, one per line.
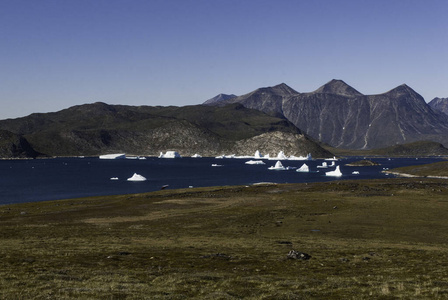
pixel 377 239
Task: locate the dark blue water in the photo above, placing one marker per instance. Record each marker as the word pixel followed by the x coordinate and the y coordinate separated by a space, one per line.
pixel 63 178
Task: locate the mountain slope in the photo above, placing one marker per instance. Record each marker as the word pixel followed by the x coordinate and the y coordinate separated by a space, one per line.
pixel 440 104
pixel 99 128
pixel 338 115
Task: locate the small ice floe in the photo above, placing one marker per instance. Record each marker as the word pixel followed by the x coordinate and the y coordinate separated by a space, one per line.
pixel 308 157
pixel 196 156
pixel 334 158
pixel 336 173
pixel 136 177
pixel 355 172
pixel 303 168
pixel 255 162
pixel 333 163
pixel 164 186
pixel 113 156
pixel 278 166
pixel 142 157
pixel 324 165
pixel 114 178
pixel 216 165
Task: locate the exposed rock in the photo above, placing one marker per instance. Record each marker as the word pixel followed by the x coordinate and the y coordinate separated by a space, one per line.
pixel 293 254
pixel 440 104
pixel 363 163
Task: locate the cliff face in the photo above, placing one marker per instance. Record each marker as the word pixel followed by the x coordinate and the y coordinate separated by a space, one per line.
pixel 98 128
pixel 340 116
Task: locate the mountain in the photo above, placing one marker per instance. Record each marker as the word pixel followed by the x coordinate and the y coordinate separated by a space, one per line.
pixel 14 145
pixel 219 98
pixel 440 104
pixel 340 116
pixel 99 128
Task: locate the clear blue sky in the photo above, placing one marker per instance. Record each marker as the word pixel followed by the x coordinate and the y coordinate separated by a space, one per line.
pixel 60 53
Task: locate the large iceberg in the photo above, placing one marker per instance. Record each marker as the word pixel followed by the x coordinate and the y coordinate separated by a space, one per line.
pixel 169 154
pixel 280 156
pixel 303 168
pixel 335 173
pixel 113 156
pixel 136 177
pixel 278 166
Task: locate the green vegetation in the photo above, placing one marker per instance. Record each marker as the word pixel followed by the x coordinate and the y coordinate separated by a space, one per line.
pixel 431 170
pixel 376 239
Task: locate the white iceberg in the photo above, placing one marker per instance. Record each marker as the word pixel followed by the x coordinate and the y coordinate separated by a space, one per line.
pixel 335 173
pixel 113 156
pixel 216 165
pixel 169 154
pixel 254 162
pixel 324 165
pixel 355 172
pixel 334 158
pixel 257 154
pixel 308 157
pixel 196 156
pixel 136 177
pixel 303 168
pixel 114 178
pixel 278 166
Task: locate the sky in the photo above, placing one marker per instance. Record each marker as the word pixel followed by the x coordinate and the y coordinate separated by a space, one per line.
pixel 59 53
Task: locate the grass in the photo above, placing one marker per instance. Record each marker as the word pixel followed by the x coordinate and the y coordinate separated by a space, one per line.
pixel 434 169
pixel 381 239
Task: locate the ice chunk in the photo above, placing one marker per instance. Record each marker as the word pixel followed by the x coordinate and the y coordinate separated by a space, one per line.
pixel 113 156
pixel 303 168
pixel 254 162
pixel 355 172
pixel 169 154
pixel 136 177
pixel 114 178
pixel 196 156
pixel 324 165
pixel 335 173
pixel 278 166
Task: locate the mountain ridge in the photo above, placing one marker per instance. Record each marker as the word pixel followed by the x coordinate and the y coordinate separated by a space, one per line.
pixel 339 115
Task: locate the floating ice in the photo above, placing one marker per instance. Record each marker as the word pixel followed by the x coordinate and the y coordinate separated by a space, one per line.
pixel 324 165
pixel 113 156
pixel 137 177
pixel 335 173
pixel 278 166
pixel 114 178
pixel 216 165
pixel 169 154
pixel 254 162
pixel 355 172
pixel 196 156
pixel 303 168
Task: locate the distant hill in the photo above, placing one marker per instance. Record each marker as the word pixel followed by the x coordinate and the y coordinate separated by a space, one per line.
pixel 14 145
pixel 440 104
pixel 219 98
pixel 99 128
pixel 339 115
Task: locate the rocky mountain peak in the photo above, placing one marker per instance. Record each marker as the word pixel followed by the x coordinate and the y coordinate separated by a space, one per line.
pixel 440 104
pixel 219 98
pixel 338 87
pixel 281 89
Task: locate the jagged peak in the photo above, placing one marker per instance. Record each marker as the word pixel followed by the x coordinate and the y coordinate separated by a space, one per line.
pixel 338 87
pixel 219 98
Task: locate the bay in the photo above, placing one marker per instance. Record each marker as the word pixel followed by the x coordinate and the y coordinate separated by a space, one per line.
pixel 64 178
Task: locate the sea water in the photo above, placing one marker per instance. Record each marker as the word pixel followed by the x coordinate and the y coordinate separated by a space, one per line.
pixel 64 178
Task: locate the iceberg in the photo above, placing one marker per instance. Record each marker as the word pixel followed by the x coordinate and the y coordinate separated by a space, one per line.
pixel 303 168
pixel 308 157
pixel 113 156
pixel 278 166
pixel 324 165
pixel 335 173
pixel 355 172
pixel 334 158
pixel 280 156
pixel 216 165
pixel 114 178
pixel 136 177
pixel 254 162
pixel 196 156
pixel 257 154
pixel 169 154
